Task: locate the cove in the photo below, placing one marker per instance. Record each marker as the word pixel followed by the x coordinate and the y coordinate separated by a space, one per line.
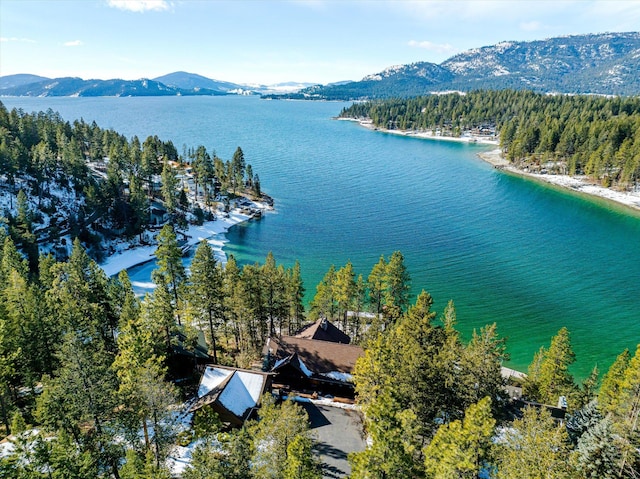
pixel 505 249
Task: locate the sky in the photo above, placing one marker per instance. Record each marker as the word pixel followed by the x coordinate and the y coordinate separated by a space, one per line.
pixel 268 42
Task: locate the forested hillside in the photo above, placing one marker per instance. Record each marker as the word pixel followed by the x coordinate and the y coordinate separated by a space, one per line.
pixel 62 180
pixel 569 134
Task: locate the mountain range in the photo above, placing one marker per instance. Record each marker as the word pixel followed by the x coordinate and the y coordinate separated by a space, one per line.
pixel 606 64
pixel 172 84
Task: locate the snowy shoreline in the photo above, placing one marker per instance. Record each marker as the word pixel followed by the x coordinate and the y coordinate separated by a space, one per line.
pixel 576 184
pixel 212 231
pixel 427 135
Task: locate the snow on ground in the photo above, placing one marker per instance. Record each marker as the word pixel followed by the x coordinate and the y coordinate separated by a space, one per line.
pixel 428 134
pixel 212 231
pixel 324 401
pixel 583 185
pixel 180 458
pixel 580 184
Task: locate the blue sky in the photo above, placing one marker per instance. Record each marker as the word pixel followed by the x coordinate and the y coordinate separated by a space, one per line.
pixel 258 41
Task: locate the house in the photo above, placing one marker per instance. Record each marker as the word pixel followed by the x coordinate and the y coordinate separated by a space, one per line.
pixel 234 394
pixel 158 214
pixel 313 365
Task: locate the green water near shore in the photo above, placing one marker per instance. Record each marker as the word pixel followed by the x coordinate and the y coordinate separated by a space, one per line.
pixel 503 248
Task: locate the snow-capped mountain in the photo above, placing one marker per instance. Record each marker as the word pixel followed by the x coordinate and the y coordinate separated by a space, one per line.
pixel 598 63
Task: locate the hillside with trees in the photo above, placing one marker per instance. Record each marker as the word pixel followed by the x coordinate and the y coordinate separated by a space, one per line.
pixel 567 134
pixel 62 180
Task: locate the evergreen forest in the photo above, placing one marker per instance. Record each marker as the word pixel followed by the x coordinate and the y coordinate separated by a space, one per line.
pixel 568 134
pixel 92 384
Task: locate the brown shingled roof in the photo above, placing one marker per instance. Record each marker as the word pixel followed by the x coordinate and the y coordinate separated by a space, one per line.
pixel 323 330
pixel 320 357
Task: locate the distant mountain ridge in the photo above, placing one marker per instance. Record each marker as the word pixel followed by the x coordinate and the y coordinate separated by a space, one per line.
pixel 597 63
pixel 193 81
pixel 172 84
pixel 73 86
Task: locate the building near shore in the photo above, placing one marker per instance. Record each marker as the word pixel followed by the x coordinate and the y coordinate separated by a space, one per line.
pixel 307 364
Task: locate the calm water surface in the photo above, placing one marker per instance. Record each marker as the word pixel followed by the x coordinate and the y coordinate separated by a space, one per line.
pixel 504 249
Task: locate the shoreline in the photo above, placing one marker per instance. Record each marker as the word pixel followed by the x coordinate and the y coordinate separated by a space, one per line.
pixel 213 231
pixel 580 185
pixel 427 135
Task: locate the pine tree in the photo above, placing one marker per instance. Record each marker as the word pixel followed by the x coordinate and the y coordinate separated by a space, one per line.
pixel 376 285
pixel 324 303
pixel 626 417
pixel 170 269
pixel 481 368
pixel 274 288
pixel 392 448
pixel 277 428
pixel 226 457
pixel 300 461
pixel 461 448
pixel 295 297
pixel 549 376
pixel 237 168
pixel 397 284
pixel 205 292
pixel 344 290
pixel 598 452
pixel 555 379
pixel 534 447
pixel 611 387
pixel 169 188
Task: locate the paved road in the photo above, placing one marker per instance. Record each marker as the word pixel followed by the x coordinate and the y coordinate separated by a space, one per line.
pixel 338 432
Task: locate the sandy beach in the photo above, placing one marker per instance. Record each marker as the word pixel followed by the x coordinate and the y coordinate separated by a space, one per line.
pixel 577 184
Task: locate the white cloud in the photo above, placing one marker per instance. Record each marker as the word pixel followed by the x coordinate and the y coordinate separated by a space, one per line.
pixel 140 5
pixel 16 39
pixel 433 47
pixel 532 26
pixel 73 43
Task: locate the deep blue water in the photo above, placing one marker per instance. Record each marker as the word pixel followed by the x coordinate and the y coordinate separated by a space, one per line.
pixel 504 249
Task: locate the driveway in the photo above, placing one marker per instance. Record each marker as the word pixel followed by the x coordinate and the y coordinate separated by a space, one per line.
pixel 337 432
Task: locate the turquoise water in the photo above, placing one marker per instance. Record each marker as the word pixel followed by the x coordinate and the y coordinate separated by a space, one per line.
pixel 529 257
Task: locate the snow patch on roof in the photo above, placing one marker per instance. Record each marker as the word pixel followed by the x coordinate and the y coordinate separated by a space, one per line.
pixel 280 362
pixel 339 376
pixel 242 392
pixel 211 379
pixel 303 367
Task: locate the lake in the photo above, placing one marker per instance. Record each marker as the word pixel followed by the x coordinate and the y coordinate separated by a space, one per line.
pixel 504 249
